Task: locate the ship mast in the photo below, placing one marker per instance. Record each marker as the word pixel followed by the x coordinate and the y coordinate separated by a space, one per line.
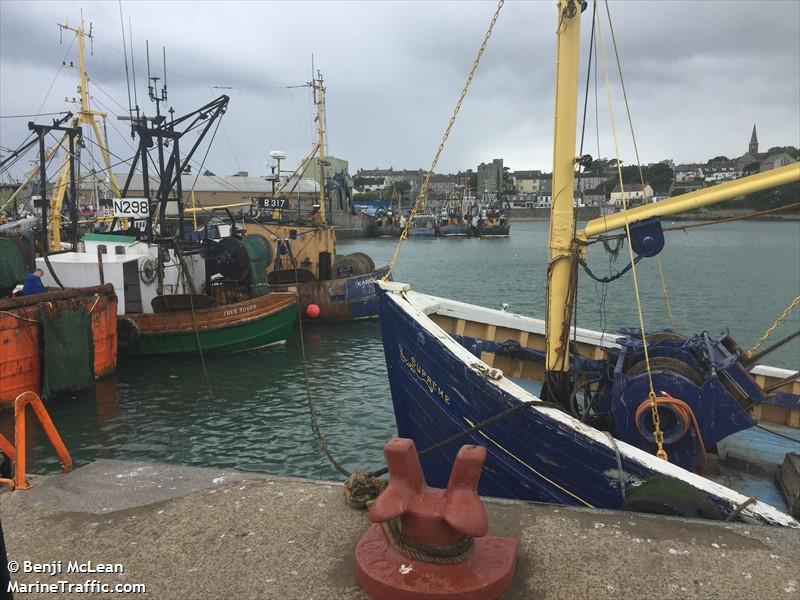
pixel 85 116
pixel 565 242
pixel 319 100
pixel 561 255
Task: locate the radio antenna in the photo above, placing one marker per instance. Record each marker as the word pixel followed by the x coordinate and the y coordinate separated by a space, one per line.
pixel 125 54
pixel 133 70
pixel 164 87
pixel 149 79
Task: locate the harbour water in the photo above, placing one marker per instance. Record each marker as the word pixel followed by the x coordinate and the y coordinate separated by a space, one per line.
pixel 255 417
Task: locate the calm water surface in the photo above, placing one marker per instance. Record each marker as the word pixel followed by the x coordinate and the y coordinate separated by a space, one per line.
pixel 739 275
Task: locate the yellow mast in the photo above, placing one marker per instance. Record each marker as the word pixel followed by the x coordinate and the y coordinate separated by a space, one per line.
pixel 85 116
pixel 561 257
pixel 565 243
pixel 319 99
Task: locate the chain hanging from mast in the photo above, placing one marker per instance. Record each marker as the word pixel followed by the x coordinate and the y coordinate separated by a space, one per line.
pixel 423 190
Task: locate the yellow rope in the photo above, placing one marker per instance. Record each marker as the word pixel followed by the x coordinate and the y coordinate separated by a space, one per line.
pixel 423 190
pixel 16 316
pixel 773 327
pixel 657 433
pixel 94 305
pixel 638 160
pixel 666 293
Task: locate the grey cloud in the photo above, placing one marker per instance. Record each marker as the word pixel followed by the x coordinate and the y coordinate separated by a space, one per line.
pixel 698 75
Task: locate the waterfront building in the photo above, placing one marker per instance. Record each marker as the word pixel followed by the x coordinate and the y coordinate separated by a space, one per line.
pixel 391 176
pixel 634 195
pixel 490 177
pixel 754 161
pixel 216 190
pixel 688 172
pixel 526 182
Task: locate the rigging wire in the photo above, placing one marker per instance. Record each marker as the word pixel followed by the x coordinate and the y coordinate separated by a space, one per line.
pixel 49 90
pixel 227 137
pixel 47 114
pixel 133 70
pixel 297 114
pixel 51 178
pixel 603 205
pixel 110 97
pixel 575 282
pixel 125 55
pixel 638 159
pixel 205 156
pixel 114 127
pixel 658 433
pixel 58 72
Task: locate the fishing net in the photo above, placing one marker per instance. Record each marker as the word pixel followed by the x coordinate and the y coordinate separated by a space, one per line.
pixel 260 254
pixel 68 351
pixel 12 267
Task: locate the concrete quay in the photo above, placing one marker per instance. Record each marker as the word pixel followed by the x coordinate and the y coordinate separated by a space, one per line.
pixel 189 532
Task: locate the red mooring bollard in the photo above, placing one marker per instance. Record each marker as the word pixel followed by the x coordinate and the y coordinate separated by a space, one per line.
pixel 425 523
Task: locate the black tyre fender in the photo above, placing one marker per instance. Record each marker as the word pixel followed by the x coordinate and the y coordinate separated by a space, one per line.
pixel 128 331
pixel 667 496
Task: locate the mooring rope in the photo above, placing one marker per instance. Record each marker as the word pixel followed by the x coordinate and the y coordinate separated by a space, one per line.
pixel 440 555
pixel 323 444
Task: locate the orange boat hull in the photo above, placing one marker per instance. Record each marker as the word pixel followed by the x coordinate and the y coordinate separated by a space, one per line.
pixel 20 356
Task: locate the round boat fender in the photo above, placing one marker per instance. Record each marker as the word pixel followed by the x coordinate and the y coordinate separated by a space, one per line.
pixel 147 273
pixel 666 496
pixel 128 331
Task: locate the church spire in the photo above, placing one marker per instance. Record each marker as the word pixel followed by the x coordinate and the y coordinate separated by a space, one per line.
pixel 753 147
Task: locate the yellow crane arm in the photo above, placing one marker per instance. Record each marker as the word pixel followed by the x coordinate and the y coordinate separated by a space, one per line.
pixel 686 202
pixel 56 201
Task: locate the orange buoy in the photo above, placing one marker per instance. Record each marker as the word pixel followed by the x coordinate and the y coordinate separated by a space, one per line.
pixel 312 311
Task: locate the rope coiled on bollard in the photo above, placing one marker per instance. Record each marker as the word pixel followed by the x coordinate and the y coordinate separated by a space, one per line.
pixel 440 555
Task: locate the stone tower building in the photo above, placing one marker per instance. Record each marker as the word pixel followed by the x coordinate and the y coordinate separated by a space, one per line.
pixel 753 147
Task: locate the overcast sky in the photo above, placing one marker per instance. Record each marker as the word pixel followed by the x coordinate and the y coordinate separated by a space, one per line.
pixel 699 74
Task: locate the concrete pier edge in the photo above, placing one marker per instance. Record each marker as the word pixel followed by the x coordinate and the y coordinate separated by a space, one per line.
pixel 192 532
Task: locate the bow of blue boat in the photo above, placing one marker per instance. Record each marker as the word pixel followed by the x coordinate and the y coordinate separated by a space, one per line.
pixel 441 388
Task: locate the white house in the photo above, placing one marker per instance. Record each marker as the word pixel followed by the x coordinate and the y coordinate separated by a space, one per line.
pixel 688 173
pixel 633 195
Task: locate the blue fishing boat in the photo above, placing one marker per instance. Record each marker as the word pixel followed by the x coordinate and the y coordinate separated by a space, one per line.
pixel 570 415
pixel 454 229
pixel 444 383
pixel 422 225
pixel 341 286
pixel 452 222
